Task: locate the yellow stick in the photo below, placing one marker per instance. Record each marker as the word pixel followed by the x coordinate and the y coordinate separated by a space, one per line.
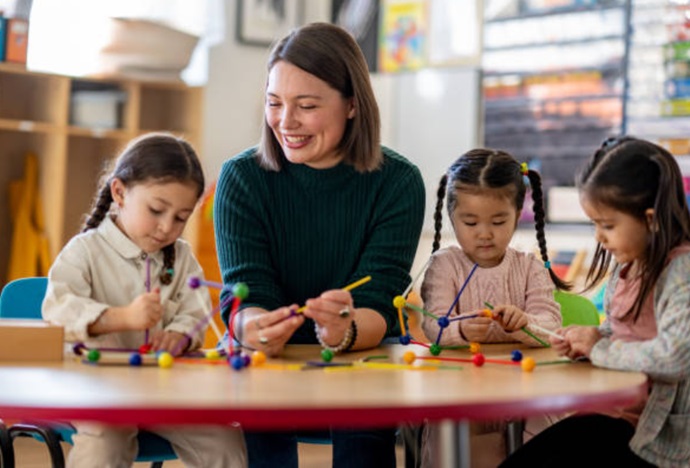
pixel 349 287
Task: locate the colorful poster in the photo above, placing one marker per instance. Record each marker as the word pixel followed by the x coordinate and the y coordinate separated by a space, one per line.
pixel 403 35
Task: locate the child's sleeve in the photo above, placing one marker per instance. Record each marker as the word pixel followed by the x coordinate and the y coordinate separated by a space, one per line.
pixel 190 306
pixel 68 299
pixel 667 356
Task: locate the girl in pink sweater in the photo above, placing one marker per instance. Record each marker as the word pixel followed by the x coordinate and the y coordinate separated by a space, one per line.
pixel 485 191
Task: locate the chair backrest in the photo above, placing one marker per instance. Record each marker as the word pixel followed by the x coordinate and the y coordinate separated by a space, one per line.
pixel 22 298
pixel 576 309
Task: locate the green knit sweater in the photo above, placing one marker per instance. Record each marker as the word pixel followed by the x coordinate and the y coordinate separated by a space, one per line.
pixel 293 234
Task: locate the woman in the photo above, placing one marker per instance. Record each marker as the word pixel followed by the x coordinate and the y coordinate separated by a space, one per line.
pixel 317 205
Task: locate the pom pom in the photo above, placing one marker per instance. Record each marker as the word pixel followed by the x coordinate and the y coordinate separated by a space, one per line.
pixel 327 355
pixel 399 302
pixel 258 358
pixel 165 360
pixel 240 291
pixel 409 357
pixel 135 359
pixel 528 364
pixel 193 282
pixel 478 359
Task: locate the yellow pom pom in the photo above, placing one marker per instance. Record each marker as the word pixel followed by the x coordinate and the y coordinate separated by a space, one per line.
pixel 258 358
pixel 399 302
pixel 528 364
pixel 212 354
pixel 165 360
pixel 409 357
pixel 474 348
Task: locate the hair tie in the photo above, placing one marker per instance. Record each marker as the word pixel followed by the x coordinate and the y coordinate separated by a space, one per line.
pixel 524 169
pixel 547 264
pixel 170 271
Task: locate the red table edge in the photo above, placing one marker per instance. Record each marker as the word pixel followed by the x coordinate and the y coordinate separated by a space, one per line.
pixel 267 418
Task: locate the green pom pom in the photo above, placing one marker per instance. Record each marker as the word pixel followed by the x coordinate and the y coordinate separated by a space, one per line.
pixel 94 355
pixel 435 349
pixel 327 355
pixel 240 291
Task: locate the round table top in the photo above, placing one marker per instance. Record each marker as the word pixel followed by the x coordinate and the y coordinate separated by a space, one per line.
pixel 279 395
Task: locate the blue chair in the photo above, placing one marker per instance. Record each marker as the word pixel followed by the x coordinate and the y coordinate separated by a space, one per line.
pixel 22 299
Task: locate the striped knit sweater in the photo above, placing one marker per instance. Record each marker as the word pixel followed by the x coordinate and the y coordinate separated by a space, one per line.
pixel 293 234
pixel 520 280
pixel 663 433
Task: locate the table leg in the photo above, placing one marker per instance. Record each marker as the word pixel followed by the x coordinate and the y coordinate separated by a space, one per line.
pixel 452 446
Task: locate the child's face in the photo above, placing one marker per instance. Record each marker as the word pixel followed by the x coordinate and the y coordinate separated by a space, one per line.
pixel 484 225
pixel 624 236
pixel 153 215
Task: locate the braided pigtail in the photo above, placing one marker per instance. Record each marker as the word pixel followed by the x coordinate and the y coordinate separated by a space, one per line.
pixel 438 213
pixel 168 272
pixel 99 207
pixel 539 222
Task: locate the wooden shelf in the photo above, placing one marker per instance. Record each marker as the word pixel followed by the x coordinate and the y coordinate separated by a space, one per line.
pixel 35 111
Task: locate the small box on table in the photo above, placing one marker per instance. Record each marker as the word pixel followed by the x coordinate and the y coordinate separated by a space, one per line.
pixel 28 340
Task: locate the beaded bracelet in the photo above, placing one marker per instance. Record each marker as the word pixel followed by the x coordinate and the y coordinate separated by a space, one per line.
pixel 344 345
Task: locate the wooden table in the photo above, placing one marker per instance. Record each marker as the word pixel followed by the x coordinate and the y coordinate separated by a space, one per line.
pixel 274 398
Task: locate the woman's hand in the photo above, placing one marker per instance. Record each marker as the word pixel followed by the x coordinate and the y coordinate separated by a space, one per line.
pixel 510 317
pixel 333 313
pixel 269 331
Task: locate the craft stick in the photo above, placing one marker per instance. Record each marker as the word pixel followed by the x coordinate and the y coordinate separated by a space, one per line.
pixel 547 332
pixel 420 310
pixel 457 298
pixel 409 288
pixel 148 290
pixel 349 287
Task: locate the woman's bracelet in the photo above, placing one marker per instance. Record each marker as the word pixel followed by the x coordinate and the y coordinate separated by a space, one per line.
pixel 345 344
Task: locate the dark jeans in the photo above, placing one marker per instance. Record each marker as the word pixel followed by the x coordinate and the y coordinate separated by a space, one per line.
pixel 351 449
pixel 588 440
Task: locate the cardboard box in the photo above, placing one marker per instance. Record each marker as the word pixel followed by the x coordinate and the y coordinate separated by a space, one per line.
pixel 17 40
pixel 28 340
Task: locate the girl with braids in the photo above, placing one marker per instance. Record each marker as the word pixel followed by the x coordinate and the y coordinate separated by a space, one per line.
pixel 125 275
pixel 485 191
pixel 632 190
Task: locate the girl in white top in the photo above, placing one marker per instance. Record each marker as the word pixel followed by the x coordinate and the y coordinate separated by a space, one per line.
pixel 124 277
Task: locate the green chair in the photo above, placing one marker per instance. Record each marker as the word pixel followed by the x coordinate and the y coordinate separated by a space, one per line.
pixel 575 310
pixel 22 299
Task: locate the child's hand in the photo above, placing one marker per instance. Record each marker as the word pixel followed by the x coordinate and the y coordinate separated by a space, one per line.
pixel 581 340
pixel 561 346
pixel 510 317
pixel 475 329
pixel 145 311
pixel 169 341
